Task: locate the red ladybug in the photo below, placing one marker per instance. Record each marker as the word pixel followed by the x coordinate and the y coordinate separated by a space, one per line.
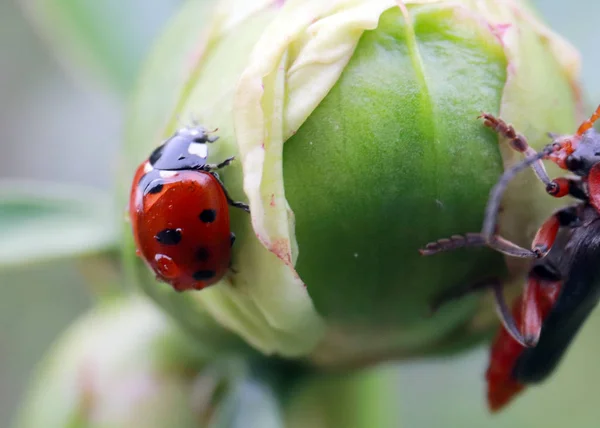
pixel 179 211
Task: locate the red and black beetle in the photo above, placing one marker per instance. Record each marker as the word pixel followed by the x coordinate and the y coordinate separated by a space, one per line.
pixel 563 284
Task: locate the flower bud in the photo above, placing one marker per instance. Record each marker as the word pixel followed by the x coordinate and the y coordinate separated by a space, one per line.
pixel 354 126
pixel 122 365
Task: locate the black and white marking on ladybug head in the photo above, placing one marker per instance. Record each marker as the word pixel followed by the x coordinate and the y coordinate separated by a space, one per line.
pixel 186 149
pixel 155 187
pixel 198 149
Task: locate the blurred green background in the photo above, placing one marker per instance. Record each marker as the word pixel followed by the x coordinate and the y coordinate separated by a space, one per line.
pixel 66 127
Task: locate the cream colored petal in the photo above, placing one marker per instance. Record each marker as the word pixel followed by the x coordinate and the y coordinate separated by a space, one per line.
pixel 298 59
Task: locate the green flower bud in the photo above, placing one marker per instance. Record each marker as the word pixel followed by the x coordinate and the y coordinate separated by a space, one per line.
pixel 123 365
pixel 354 124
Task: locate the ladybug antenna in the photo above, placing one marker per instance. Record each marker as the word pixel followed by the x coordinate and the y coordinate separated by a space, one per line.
pixel 585 126
pixel 194 120
pixel 493 206
pixel 178 120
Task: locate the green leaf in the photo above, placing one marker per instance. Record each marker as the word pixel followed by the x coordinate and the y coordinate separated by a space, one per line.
pixel 106 40
pixel 41 221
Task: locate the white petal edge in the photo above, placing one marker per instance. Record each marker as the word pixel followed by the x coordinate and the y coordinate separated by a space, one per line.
pixel 295 63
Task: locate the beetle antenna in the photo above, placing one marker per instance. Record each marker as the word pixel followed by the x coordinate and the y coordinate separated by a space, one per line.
pixel 493 206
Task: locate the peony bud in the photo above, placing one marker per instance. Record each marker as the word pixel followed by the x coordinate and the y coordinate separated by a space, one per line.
pixel 123 365
pixel 354 126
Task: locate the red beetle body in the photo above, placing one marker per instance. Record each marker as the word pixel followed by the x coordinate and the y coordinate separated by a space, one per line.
pixel 562 286
pixel 179 212
pixel 505 353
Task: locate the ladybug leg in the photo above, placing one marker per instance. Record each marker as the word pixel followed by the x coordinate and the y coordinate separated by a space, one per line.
pixel 213 138
pixel 213 167
pixel 230 201
pixel 517 142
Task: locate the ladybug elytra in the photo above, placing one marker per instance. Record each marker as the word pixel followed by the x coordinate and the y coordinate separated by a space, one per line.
pixel 179 210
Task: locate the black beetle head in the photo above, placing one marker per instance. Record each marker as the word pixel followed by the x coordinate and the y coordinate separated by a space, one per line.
pixel 586 155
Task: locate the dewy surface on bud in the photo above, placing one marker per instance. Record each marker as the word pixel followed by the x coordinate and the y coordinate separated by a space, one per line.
pixel 354 126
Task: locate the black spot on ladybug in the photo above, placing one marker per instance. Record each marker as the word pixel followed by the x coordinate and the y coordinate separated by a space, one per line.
pixel 156 154
pixel 156 188
pixel 169 236
pixel 202 254
pixel 232 238
pixel 203 275
pixel 208 216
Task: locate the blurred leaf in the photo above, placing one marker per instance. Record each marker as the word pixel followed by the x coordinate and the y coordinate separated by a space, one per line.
pixel 104 40
pixel 40 221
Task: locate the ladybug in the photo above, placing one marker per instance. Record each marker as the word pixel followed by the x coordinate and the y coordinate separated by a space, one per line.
pixel 179 211
pixel 563 283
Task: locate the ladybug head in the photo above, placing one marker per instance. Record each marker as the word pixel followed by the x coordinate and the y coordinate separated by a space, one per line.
pixel 186 149
pixel 586 154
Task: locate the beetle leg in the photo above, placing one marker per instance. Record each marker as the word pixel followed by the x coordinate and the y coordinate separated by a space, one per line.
pixel 478 240
pixel 452 243
pixel 540 294
pixel 558 187
pixel 546 235
pixel 504 313
pixel 517 142
pixel 230 201
pixel 563 186
pixel 532 317
pixel 542 242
